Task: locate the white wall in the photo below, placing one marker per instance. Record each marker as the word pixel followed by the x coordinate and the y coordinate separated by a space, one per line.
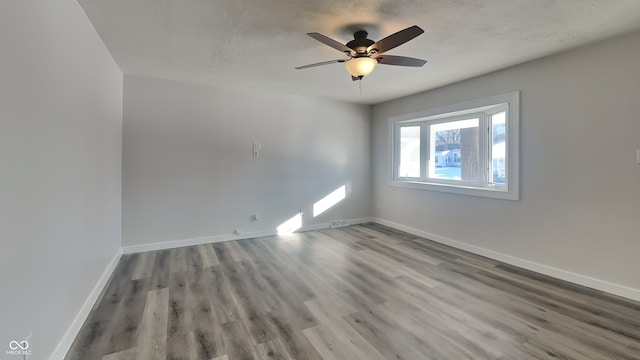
pixel 580 184
pixel 188 169
pixel 60 161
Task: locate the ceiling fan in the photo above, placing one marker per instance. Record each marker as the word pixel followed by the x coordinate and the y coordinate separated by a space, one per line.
pixel 364 54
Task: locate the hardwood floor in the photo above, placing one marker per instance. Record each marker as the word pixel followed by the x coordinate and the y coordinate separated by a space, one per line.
pixel 361 292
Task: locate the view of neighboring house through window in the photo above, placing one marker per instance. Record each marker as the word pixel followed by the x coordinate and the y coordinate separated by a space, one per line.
pixel 455 142
pixel 467 148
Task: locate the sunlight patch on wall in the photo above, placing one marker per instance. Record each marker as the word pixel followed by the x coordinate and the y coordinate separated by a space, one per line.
pixel 329 201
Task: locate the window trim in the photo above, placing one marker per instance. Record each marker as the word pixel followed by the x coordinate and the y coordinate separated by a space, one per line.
pixel 508 192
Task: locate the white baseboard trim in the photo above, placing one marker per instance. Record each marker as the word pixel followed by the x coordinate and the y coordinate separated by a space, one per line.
pixel 327 225
pixel 615 289
pixel 171 244
pixel 67 340
pixel 360 221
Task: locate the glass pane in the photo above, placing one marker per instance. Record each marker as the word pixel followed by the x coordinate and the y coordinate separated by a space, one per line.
pixel 409 152
pixel 455 150
pixel 498 148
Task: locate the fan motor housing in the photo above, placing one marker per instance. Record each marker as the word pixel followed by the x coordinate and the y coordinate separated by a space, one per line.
pixel 360 43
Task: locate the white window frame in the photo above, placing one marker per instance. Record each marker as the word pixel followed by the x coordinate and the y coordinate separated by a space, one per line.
pixel 482 109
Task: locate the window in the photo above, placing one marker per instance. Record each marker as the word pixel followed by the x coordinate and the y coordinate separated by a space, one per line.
pixel 469 148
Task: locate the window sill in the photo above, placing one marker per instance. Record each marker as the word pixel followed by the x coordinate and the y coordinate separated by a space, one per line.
pixel 494 193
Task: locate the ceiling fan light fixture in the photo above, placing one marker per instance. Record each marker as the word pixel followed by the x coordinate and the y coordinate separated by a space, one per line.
pixel 361 51
pixel 360 67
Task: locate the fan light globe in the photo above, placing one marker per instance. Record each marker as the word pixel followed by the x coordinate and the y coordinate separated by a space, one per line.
pixel 361 66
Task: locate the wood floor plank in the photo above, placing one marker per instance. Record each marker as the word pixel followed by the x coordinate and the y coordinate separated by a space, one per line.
pixel 366 233
pixel 461 313
pixel 152 338
pixel 250 305
pixel 178 262
pixel 272 350
pixel 524 293
pixel 347 239
pixel 385 231
pixel 144 266
pixel 96 337
pixel 181 346
pixel 383 264
pixel 267 260
pixel 206 328
pixel 285 298
pixel 394 268
pixel 338 340
pixel 389 341
pixel 221 298
pixel 329 307
pixel 303 253
pixel 129 354
pixel 182 304
pixel 237 341
pixel 127 315
pixel 589 302
pixel 161 272
pixel 292 337
pixel 464 339
pixel 236 252
pixel 360 292
pixel 400 254
pixel 315 280
pixel 208 257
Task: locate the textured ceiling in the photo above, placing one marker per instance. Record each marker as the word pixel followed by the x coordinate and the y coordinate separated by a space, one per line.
pixel 257 43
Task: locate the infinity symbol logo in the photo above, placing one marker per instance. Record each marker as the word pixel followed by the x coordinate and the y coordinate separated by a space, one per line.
pixel 23 345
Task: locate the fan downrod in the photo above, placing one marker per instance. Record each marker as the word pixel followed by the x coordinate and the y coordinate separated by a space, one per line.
pixel 360 34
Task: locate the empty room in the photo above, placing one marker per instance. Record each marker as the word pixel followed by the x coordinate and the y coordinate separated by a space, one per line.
pixel 225 180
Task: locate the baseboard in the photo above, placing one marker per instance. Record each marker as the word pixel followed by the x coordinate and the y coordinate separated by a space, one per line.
pixel 328 224
pixel 615 289
pixel 360 221
pixel 67 340
pixel 171 244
